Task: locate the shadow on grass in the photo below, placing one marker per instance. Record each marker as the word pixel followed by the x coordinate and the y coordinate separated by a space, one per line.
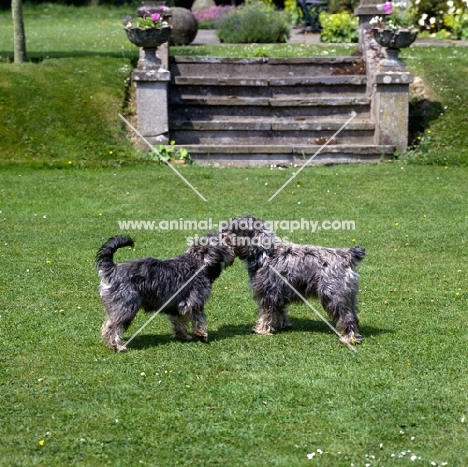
pixel 145 341
pixel 421 113
pixel 39 57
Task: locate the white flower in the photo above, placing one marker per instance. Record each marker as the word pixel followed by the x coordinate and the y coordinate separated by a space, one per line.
pixel 432 20
pixel 311 455
pixel 413 458
pixel 450 3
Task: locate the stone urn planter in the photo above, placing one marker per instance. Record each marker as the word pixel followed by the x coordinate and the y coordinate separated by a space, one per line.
pixel 149 39
pixel 394 40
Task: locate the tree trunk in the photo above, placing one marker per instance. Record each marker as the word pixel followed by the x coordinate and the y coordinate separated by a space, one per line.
pixel 19 35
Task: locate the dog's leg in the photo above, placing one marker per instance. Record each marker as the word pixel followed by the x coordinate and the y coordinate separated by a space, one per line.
pixel 266 321
pixel 179 327
pixel 349 331
pixel 199 324
pixel 119 317
pixel 283 319
pixel 111 332
pixel 346 318
pixel 348 321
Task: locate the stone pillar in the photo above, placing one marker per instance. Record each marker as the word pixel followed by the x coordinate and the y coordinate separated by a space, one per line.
pixel 388 86
pixel 152 83
pixel 390 108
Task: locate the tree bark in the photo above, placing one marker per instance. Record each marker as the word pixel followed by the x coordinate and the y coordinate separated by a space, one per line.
pixel 19 36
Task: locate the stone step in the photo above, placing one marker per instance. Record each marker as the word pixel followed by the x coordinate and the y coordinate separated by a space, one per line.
pixel 285 155
pixel 265 111
pixel 180 92
pixel 242 112
pixel 356 80
pixel 264 134
pixel 190 87
pixel 256 68
pixel 275 107
pixel 276 124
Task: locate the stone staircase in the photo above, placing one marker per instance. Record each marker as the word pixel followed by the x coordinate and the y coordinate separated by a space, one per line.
pixel 272 111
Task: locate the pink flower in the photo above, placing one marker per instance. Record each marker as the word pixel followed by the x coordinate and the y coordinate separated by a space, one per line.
pixel 387 8
pixel 156 17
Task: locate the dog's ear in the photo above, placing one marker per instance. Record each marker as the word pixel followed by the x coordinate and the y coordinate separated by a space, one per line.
pixel 226 238
pixel 267 240
pixel 196 248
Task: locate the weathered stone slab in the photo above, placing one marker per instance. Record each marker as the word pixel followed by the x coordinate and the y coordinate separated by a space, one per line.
pixel 394 78
pixel 355 80
pixel 286 156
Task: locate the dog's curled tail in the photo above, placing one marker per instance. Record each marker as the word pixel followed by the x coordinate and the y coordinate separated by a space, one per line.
pixel 105 255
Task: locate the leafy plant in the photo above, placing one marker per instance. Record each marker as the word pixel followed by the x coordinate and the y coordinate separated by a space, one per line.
pixel 339 27
pixel 456 20
pixel 166 153
pixel 148 20
pixel 398 15
pixel 431 13
pixel 255 22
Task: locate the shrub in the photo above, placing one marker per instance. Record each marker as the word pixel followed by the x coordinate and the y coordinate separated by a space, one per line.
pixel 431 13
pixel 290 6
pixel 255 22
pixel 337 6
pixel 208 17
pixel 339 27
pixel 456 20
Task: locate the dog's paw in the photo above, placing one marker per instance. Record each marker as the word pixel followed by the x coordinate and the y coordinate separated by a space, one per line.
pixel 351 339
pixel 263 331
pixel 202 338
pixel 121 349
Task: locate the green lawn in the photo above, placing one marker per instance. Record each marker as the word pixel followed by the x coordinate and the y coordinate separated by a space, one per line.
pixel 438 112
pixel 242 399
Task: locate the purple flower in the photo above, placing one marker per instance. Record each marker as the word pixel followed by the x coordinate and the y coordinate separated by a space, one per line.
pixel 388 8
pixel 156 17
pixel 126 20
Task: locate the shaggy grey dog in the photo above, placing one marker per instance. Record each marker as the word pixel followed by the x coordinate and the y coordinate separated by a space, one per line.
pixel 313 271
pixel 148 283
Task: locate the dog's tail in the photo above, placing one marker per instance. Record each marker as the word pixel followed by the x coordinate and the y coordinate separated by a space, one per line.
pixel 357 255
pixel 105 255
